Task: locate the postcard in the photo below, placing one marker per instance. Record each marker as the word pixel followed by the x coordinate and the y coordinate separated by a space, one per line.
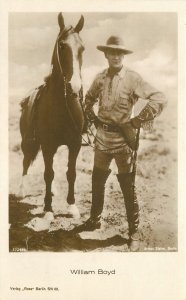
pixel 92 139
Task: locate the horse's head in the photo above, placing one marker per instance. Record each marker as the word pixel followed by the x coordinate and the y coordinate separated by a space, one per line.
pixel 69 49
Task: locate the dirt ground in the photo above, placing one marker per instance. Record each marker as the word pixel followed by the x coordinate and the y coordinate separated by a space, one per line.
pixel 156 183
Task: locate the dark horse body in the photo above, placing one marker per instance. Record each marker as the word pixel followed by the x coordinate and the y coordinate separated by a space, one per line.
pixel 59 116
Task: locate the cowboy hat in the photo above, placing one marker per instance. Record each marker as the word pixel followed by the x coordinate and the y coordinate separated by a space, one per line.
pixel 114 42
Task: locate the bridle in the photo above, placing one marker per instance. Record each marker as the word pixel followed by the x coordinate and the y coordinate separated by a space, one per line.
pixel 80 96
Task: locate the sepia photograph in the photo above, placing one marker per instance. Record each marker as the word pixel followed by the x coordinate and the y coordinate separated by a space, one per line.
pixel 93 153
pixel 92 139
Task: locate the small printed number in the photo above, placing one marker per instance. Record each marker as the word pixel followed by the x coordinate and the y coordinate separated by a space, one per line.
pixel 19 249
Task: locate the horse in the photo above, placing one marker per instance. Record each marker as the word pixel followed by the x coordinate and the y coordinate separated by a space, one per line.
pixel 59 118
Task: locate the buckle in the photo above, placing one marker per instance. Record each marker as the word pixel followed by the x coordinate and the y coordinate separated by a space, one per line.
pixel 105 127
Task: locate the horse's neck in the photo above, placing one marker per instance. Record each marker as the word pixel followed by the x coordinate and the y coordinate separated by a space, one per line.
pixel 56 82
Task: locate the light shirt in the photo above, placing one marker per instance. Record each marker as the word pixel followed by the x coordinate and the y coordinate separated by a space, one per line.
pixel 116 97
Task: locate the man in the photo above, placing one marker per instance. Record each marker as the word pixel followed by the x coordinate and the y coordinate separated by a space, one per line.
pixel 117 89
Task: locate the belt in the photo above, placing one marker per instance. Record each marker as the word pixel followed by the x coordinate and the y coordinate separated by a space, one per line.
pixel 108 127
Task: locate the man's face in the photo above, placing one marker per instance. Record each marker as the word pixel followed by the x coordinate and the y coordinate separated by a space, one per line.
pixel 115 58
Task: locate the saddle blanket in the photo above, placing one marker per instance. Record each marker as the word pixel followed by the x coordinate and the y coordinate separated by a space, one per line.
pixel 29 100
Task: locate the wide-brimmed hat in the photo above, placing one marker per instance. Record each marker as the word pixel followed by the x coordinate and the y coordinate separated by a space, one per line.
pixel 114 42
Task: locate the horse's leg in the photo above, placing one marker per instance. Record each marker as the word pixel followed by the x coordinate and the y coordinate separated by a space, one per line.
pixel 54 189
pixel 48 155
pixel 71 177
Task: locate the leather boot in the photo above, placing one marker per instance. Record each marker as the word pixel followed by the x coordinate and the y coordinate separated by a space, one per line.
pixel 126 181
pixel 99 178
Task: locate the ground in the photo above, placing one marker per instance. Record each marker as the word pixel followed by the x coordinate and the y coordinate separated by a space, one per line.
pixel 156 183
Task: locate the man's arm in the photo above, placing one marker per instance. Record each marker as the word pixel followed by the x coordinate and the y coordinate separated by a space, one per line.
pixel 155 105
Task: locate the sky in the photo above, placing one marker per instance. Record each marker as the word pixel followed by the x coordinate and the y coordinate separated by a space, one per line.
pixel 152 36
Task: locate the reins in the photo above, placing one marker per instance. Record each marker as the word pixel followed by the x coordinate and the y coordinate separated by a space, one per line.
pixel 66 102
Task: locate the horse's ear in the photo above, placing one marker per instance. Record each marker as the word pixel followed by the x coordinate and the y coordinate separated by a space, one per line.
pixel 61 21
pixel 79 25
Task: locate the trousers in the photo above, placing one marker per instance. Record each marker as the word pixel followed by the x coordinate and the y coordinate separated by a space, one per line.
pixel 123 159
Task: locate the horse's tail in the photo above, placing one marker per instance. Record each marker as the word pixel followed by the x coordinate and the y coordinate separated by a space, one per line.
pixel 30 148
pixel 30 144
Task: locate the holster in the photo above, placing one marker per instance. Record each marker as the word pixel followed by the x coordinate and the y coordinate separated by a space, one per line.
pixel 129 133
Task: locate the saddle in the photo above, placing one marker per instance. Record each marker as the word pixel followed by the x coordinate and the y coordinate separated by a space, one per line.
pixel 30 100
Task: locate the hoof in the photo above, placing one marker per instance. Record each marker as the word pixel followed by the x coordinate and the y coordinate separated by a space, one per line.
pixel 49 216
pixel 38 224
pixel 74 211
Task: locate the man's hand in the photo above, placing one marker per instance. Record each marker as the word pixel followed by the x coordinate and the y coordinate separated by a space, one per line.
pixel 136 123
pixel 91 117
pixel 129 133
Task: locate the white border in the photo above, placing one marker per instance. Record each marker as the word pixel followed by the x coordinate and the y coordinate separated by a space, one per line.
pixel 140 276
